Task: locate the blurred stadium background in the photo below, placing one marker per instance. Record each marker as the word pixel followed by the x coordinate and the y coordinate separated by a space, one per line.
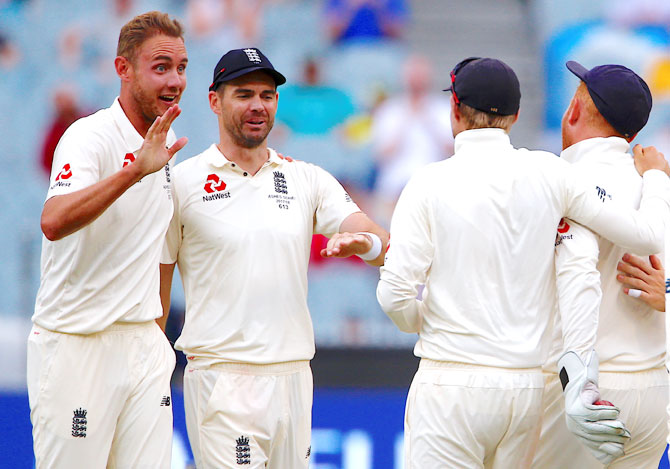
pixel 56 63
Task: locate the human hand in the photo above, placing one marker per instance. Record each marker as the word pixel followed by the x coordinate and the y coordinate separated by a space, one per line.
pixel 154 154
pixel 649 158
pixel 592 421
pixel 643 280
pixel 347 244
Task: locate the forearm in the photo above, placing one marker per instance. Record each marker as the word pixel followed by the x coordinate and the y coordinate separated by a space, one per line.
pixel 360 222
pixel 65 214
pixel 578 286
pixel 166 273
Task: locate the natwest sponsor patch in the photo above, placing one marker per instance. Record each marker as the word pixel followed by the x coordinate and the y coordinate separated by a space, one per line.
pixel 62 177
pixel 214 186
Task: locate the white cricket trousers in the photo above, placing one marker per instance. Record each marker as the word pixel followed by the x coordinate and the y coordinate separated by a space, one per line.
pixel 252 416
pixel 642 398
pixel 469 416
pixel 101 400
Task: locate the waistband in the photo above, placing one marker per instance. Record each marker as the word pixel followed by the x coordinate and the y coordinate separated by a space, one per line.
pixel 427 363
pixel 114 327
pixel 253 368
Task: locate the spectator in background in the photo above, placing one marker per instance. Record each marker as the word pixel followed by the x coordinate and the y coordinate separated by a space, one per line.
pixel 66 111
pixel 312 107
pixel 233 22
pixel 9 53
pixel 409 131
pixel 365 20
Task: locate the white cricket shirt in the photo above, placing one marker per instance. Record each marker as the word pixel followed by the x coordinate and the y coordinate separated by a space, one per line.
pixel 630 334
pixel 108 270
pixel 242 245
pixel 479 230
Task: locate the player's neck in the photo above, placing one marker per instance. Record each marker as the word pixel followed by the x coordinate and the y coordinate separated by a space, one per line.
pixel 250 160
pixel 134 116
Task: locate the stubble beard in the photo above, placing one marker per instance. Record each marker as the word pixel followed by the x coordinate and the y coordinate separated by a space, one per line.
pixel 247 141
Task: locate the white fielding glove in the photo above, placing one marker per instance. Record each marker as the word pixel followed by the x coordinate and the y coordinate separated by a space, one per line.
pixel 595 425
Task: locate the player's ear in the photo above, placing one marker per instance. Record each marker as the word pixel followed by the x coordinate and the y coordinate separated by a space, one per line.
pixel 214 102
pixel 574 111
pixel 123 68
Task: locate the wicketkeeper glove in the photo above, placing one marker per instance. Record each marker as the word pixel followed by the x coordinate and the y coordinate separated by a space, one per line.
pixel 596 426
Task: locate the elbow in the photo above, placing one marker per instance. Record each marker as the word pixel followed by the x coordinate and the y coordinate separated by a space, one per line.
pixel 50 227
pixel 398 312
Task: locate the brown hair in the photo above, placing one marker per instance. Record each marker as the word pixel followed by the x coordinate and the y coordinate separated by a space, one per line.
pixel 475 119
pixel 592 115
pixel 142 27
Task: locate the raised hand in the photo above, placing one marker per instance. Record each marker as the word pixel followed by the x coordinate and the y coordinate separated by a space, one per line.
pixel 154 154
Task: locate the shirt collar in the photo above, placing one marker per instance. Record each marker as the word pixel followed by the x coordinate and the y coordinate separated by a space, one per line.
pixel 481 137
pixel 130 135
pixel 598 149
pixel 215 158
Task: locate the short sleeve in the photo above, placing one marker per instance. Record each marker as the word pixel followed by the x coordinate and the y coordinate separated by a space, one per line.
pixel 77 161
pixel 333 203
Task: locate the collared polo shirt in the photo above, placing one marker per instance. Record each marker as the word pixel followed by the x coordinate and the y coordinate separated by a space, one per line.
pixel 242 246
pixel 108 270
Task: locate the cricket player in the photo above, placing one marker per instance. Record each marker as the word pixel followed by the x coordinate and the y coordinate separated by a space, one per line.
pixel 99 366
pixel 241 235
pixel 610 106
pixel 478 230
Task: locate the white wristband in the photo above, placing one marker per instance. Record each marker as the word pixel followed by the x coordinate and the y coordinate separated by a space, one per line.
pixel 376 248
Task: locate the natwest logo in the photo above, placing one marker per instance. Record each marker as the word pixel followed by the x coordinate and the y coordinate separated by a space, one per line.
pixel 128 159
pixel 65 173
pixel 214 184
pixel 563 226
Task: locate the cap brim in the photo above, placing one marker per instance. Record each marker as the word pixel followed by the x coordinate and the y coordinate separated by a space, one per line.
pixel 578 69
pixel 278 77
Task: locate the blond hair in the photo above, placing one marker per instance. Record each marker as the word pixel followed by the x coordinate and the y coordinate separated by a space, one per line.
pixel 593 117
pixel 475 119
pixel 144 26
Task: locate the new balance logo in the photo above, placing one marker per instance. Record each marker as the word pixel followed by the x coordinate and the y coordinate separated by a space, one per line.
pixel 243 451
pixel 165 401
pixel 79 423
pixel 253 56
pixel 602 193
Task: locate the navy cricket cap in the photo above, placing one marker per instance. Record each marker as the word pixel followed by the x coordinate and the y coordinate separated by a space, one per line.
pixel 488 85
pixel 238 62
pixel 620 95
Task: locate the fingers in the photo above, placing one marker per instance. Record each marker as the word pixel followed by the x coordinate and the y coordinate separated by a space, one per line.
pixel 649 158
pixel 655 262
pixel 346 244
pixel 638 262
pixel 162 123
pixel 178 145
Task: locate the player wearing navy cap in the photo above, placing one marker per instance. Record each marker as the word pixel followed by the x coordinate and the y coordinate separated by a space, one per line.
pixel 478 230
pixel 610 106
pixel 241 235
pixel 99 367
